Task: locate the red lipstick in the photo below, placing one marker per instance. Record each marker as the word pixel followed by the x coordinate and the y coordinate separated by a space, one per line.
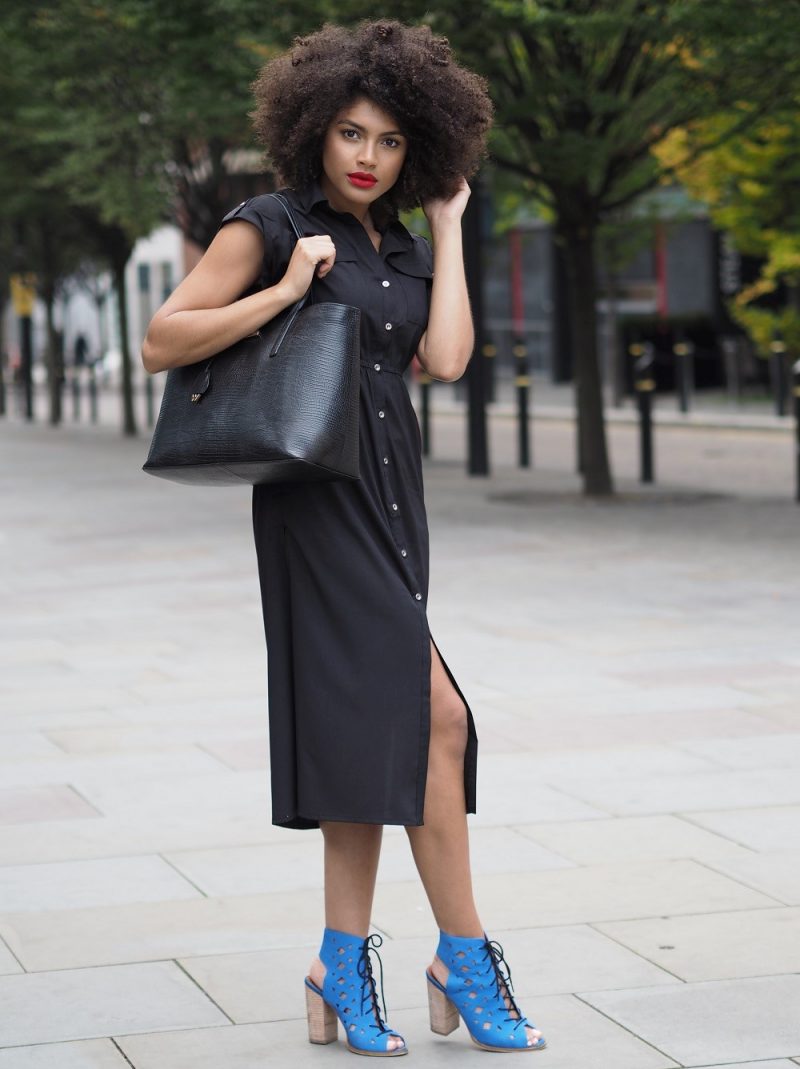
pixel 362 179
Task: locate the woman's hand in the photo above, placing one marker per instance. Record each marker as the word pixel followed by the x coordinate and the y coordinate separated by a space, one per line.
pixel 440 210
pixel 318 249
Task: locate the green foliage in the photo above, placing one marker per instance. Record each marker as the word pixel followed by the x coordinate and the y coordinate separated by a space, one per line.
pixel 751 184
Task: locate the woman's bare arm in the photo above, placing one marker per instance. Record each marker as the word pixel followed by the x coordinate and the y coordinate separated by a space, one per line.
pixel 202 315
pixel 445 348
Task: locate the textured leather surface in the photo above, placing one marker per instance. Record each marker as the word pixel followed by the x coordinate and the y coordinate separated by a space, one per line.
pixel 262 418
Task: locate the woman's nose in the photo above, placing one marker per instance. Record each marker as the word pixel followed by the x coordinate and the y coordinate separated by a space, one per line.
pixel 367 155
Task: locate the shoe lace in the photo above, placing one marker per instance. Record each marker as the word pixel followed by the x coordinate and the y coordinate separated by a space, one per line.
pixel 494 952
pixel 368 988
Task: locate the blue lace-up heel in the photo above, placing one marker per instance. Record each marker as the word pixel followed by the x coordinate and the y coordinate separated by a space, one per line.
pixel 474 990
pixel 349 993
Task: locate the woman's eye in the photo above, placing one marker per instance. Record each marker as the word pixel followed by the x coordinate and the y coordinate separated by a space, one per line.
pixel 394 141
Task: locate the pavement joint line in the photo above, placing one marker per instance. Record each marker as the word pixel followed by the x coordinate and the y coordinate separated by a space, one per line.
pixel 122 1052
pixel 624 1027
pixel 685 816
pixel 183 875
pixel 199 986
pixel 738 879
pixel 630 950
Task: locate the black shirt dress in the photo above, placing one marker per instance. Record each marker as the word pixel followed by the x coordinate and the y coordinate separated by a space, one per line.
pixel 343 565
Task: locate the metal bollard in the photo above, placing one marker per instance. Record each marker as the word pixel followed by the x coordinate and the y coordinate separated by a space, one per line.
pixel 490 351
pixel 523 383
pixel 778 349
pixel 684 372
pixel 92 393
pixel 425 413
pixel 733 371
pixel 796 395
pixel 644 384
pixel 75 389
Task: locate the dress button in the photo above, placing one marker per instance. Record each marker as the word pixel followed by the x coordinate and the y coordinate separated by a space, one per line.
pixel 418 597
pixel 385 460
pixel 377 367
pixel 403 553
pixel 385 283
pixel 380 413
pixel 388 326
pixel 394 506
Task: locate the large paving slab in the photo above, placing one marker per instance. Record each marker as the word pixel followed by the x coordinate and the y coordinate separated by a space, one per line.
pixel 777 875
pixel 89 1054
pixel 134 832
pixel 712 1022
pixel 772 1063
pixel 575 896
pixel 751 751
pixel 27 805
pixel 88 1003
pixel 8 963
pixel 716 946
pixel 676 793
pixel 766 828
pixel 575 1033
pixel 588 842
pixel 134 773
pixel 79 938
pixel 83 884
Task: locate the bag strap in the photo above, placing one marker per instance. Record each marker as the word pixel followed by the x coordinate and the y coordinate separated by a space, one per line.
pixel 288 209
pixel 203 381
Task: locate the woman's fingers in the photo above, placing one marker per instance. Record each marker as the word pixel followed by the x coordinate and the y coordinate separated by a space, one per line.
pixel 313 254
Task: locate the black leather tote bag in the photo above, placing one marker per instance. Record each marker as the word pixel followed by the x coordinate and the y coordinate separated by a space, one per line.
pixel 280 405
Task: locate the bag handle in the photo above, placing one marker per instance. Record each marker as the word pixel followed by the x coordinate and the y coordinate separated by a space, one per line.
pixel 203 380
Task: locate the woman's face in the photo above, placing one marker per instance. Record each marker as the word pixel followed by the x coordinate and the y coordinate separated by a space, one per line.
pixel 363 140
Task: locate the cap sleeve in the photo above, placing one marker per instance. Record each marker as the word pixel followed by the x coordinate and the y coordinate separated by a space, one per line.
pixel 426 251
pixel 269 218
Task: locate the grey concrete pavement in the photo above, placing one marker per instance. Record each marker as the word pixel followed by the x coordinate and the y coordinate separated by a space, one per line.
pixel 634 672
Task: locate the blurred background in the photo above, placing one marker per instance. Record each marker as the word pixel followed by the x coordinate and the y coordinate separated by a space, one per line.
pixel 635 229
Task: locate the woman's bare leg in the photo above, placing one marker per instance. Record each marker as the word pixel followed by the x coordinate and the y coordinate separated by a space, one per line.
pixel 352 852
pixel 441 845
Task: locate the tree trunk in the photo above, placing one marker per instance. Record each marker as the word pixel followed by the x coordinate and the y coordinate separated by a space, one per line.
pixel 51 351
pixel 52 357
pixel 593 462
pixel 128 415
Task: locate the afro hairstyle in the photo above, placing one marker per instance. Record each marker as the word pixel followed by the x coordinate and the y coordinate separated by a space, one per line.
pixel 443 108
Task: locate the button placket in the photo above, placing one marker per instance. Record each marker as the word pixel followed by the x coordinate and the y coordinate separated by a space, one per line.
pixel 393 308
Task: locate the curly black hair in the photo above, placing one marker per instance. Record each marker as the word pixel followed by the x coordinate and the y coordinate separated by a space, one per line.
pixel 443 108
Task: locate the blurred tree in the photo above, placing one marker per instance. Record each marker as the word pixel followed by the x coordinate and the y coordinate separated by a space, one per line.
pixel 38 235
pixel 751 185
pixel 586 89
pixel 134 112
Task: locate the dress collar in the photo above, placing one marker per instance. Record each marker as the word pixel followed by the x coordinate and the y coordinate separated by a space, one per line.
pixel 310 195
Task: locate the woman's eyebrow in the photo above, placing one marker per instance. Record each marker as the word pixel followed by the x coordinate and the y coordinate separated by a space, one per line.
pixel 349 122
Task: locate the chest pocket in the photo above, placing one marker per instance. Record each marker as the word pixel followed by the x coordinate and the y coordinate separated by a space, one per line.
pixel 416 278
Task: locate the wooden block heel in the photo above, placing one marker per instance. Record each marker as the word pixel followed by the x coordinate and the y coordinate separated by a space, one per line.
pixel 444 1015
pixel 322 1020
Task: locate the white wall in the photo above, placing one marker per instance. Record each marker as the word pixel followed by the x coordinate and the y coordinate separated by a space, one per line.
pixel 161 257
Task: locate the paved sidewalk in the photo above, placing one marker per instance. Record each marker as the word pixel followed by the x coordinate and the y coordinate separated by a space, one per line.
pixel 634 670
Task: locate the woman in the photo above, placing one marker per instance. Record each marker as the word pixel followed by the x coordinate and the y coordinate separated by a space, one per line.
pixel 367 724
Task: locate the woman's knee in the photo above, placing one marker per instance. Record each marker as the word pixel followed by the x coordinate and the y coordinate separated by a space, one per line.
pixel 449 724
